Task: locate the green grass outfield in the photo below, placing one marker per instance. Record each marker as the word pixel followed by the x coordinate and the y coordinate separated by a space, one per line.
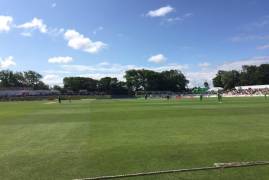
pixel 44 141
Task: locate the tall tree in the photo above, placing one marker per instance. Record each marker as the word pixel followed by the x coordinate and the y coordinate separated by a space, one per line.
pixel 79 83
pixel 217 81
pixel 173 80
pixel 135 81
pixel 33 79
pixel 10 79
pixel 249 75
pixel 206 85
pixel 263 74
pixel 112 86
pixel 148 80
pixel 5 78
pixel 28 79
pixel 230 79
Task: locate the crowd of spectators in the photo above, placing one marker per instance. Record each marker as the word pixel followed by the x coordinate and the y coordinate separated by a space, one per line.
pixel 249 91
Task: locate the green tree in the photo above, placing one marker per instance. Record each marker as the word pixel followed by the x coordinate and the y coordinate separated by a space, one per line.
pixel 230 79
pixel 217 81
pixel 135 80
pixel 206 85
pixel 264 74
pixel 80 83
pixel 173 80
pixel 33 79
pixel 112 86
pixel 148 80
pixel 227 79
pixel 29 79
pixel 10 79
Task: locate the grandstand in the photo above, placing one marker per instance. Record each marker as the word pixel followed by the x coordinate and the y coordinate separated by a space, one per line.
pixel 27 92
pixel 255 90
pixel 252 87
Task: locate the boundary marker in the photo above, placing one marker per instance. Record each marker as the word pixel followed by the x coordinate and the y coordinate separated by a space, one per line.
pixel 216 166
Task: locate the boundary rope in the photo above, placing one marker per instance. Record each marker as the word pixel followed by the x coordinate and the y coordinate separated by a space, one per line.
pixel 216 166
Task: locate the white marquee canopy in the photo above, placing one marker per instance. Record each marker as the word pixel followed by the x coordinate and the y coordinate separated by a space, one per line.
pixel 252 87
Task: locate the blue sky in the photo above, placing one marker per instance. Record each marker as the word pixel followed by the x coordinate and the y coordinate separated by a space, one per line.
pixel 97 38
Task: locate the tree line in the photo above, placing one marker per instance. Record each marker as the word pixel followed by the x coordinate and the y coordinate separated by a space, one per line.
pixel 136 80
pixel 106 85
pixel 249 75
pixel 26 79
pixel 147 80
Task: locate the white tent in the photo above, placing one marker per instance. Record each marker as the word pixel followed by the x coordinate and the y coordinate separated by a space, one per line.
pixel 252 87
pixel 215 89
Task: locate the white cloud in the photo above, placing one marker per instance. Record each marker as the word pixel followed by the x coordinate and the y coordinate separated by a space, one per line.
pixel 114 70
pixel 60 60
pixel 204 65
pixel 55 31
pixel 100 28
pixel 237 65
pixel 173 19
pixel 56 72
pixel 245 37
pixel 26 34
pixel 104 69
pixel 79 42
pixel 188 15
pixel 249 37
pixel 36 23
pixel 119 76
pixel 261 23
pixel 53 5
pixel 52 79
pixel 181 67
pixel 253 31
pixel 264 47
pixel 159 58
pixel 5 23
pixel 179 18
pixel 7 62
pixel 107 68
pixel 104 64
pixel 198 78
pixel 161 11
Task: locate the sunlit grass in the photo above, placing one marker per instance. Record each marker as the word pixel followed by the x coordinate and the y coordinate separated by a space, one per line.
pixel 105 137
